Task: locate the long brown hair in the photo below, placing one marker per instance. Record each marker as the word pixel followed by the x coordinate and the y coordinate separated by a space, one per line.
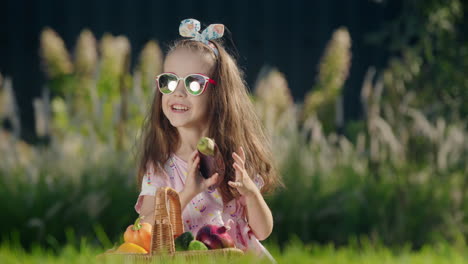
pixel 234 120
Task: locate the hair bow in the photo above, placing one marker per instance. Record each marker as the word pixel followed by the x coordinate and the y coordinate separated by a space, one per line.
pixel 190 28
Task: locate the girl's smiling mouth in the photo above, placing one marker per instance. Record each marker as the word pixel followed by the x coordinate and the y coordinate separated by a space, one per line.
pixel 179 108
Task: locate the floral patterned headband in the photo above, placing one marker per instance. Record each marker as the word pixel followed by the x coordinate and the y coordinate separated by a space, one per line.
pixel 190 28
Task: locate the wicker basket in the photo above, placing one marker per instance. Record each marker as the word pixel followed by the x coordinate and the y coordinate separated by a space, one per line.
pixel 167 225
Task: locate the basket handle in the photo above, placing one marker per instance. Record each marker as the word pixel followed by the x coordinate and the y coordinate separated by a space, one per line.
pixel 167 221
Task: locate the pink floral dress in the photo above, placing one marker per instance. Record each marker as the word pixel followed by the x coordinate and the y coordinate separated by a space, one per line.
pixel 207 207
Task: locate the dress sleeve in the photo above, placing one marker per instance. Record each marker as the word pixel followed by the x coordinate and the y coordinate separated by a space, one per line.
pixel 258 180
pixel 150 183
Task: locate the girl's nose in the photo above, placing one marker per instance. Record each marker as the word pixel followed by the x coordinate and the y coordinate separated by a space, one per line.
pixel 180 89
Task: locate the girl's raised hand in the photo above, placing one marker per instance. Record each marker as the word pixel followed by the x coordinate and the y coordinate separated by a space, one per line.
pixel 195 183
pixel 243 183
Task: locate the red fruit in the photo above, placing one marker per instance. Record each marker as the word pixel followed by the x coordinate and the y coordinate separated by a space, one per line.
pixel 215 237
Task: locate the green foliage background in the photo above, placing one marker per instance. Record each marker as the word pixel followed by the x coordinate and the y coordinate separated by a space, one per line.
pixel 395 177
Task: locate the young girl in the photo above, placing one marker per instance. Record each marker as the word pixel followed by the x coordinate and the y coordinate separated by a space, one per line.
pixel 202 93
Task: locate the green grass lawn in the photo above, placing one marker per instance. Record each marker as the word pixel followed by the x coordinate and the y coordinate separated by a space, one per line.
pixel 295 252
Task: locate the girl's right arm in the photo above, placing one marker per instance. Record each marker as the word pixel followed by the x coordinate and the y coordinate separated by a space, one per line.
pixel 194 184
pixel 185 198
pixel 147 209
pixel 147 206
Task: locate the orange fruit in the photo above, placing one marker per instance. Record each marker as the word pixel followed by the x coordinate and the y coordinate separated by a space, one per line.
pixel 131 248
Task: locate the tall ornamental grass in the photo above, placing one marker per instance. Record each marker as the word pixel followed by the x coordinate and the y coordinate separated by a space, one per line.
pixel 398 176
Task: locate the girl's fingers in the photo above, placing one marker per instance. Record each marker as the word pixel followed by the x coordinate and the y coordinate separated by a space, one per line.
pixel 237 167
pixel 241 150
pixel 195 165
pixel 213 179
pixel 239 172
pixel 235 184
pixel 193 155
pixel 238 159
pixel 212 182
pixel 192 158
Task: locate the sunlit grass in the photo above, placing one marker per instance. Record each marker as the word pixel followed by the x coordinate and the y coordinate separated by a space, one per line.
pixel 294 252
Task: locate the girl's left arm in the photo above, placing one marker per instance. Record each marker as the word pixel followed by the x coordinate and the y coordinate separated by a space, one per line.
pixel 258 214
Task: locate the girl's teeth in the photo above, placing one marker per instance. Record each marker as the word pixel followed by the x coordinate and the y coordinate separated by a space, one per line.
pixel 179 108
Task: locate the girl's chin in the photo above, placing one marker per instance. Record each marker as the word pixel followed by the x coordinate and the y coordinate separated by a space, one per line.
pixel 176 122
pixel 184 123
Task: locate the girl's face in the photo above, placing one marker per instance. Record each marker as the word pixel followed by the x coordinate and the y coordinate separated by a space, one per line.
pixel 183 62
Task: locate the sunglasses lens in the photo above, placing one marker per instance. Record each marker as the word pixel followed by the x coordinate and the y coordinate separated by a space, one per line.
pixel 167 83
pixel 195 84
